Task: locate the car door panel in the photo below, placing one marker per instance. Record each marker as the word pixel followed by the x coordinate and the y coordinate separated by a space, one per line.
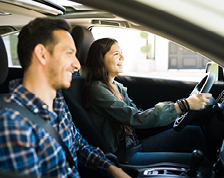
pixel 146 92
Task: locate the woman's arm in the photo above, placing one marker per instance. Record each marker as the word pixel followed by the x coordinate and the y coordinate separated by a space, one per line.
pixel 106 104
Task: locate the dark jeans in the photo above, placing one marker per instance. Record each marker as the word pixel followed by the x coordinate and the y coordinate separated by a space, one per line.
pixel 155 148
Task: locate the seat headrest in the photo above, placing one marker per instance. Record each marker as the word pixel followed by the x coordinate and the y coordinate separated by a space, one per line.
pixel 3 61
pixel 83 39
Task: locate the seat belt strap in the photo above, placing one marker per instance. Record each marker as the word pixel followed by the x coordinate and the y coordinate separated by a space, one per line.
pixel 41 123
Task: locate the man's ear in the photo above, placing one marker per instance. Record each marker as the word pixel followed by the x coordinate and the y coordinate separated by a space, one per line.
pixel 40 53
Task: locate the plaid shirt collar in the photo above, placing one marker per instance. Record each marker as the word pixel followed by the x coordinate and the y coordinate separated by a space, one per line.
pixel 22 96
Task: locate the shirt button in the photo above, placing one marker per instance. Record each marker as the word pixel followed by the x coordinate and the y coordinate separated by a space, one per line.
pixel 44 106
pixel 35 110
pixel 69 169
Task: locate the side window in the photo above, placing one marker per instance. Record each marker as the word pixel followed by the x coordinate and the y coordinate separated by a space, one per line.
pixel 149 55
pixel 136 46
pixel 11 42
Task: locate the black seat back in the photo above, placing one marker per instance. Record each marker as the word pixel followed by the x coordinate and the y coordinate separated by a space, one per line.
pixel 13 73
pixel 83 39
pixel 6 73
pixel 73 96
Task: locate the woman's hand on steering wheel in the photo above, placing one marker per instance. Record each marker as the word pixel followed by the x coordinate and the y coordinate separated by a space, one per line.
pixel 198 101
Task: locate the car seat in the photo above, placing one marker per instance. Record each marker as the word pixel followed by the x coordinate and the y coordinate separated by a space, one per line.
pixel 6 73
pixel 4 62
pixel 4 78
pixel 73 98
pixel 83 39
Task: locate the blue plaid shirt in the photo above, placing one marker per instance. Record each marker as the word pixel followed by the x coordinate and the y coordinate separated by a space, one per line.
pixel 28 149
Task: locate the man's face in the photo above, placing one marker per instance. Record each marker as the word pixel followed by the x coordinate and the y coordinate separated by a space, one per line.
pixel 62 62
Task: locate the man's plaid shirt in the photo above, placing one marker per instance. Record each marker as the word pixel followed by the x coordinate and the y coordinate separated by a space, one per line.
pixel 28 149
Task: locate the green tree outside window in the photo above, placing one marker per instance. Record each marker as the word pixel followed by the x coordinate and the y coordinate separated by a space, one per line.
pixel 145 49
pixel 13 48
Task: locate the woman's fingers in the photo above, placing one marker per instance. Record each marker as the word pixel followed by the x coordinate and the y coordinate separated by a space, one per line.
pixel 207 96
pixel 199 101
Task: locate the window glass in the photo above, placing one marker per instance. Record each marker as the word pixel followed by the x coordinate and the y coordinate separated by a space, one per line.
pixel 149 55
pixel 11 42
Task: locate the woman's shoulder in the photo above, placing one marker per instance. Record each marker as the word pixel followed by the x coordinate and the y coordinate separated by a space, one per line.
pixel 97 82
pixel 98 85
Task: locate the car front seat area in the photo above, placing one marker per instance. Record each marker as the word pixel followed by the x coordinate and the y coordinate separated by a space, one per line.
pixel 73 96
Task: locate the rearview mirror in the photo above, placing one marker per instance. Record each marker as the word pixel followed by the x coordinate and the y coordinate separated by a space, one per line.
pixel 215 68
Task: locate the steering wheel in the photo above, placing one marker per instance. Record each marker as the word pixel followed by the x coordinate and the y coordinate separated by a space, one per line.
pixel 203 86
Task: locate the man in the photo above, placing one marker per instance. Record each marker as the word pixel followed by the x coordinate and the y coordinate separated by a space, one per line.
pixel 46 52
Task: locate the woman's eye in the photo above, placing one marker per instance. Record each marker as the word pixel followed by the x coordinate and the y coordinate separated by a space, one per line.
pixel 115 53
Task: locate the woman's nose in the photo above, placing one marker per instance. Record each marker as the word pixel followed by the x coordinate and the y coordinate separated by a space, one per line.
pixel 121 57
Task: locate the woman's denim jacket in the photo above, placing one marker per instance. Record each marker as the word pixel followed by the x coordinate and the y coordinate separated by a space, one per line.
pixel 108 113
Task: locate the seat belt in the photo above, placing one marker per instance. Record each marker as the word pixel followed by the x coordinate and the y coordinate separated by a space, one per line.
pixel 41 123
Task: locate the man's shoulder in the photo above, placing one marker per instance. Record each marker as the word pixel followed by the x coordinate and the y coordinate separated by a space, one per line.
pixel 10 115
pixel 16 129
pixel 14 117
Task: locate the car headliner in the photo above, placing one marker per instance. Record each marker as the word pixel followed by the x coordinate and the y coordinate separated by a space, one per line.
pixel 195 24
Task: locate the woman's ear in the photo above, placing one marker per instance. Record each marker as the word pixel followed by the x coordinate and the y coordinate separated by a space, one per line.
pixel 40 53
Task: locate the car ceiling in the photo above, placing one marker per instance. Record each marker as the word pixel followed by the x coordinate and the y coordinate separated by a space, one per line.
pixel 76 14
pixel 156 16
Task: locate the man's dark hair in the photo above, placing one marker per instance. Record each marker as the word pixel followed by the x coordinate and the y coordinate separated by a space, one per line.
pixel 38 31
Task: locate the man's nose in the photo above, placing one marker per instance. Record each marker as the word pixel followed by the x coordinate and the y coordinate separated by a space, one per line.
pixel 76 63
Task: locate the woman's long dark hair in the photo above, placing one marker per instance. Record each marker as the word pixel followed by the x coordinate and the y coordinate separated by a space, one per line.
pixel 95 69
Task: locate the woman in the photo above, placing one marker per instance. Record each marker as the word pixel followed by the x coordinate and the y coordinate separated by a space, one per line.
pixel 116 115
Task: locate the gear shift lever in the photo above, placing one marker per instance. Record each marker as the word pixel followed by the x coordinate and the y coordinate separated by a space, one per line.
pixel 196 159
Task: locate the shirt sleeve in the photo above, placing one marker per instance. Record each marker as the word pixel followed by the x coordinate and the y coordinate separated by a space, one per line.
pixel 104 102
pixel 89 156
